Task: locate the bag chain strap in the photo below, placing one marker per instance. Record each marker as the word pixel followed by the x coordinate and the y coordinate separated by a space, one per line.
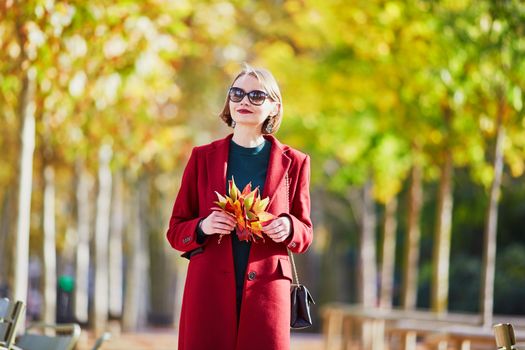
pixel 287 181
pixel 293 267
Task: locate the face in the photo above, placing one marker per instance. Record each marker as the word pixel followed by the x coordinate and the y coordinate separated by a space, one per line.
pixel 247 112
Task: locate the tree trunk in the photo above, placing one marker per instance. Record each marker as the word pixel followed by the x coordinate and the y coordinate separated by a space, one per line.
pixel 441 254
pixel 389 254
pixel 49 247
pixel 115 249
pixel 136 292
pixel 21 247
pixel 367 250
pixel 101 293
pixel 162 298
pixel 489 246
pixel 66 258
pixel 5 227
pixel 84 185
pixel 411 250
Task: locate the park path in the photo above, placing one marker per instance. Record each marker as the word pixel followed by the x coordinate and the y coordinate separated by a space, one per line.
pixel 166 339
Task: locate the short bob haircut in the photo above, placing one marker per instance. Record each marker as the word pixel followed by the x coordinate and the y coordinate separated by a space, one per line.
pixel 269 84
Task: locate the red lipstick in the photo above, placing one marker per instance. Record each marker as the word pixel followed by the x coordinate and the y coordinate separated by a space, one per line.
pixel 244 111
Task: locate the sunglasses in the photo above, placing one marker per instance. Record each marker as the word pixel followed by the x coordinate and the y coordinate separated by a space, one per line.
pixel 256 97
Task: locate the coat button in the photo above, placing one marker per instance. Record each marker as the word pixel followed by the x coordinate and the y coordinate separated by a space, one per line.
pixel 292 245
pixel 251 276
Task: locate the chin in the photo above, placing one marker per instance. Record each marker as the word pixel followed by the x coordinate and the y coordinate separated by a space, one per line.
pixel 248 122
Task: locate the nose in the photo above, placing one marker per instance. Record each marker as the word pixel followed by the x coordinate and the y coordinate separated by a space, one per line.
pixel 245 100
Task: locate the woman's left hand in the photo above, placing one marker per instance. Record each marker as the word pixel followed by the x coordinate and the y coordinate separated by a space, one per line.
pixel 279 229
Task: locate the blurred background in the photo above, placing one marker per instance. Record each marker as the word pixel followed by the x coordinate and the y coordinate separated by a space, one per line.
pixel 412 112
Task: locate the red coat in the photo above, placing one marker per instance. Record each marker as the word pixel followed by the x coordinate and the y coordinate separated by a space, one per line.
pixel 208 316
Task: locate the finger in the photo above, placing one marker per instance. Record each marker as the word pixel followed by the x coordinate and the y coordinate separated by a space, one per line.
pixel 224 222
pixel 280 233
pixel 272 234
pixel 221 226
pixel 278 238
pixel 275 235
pixel 226 214
pixel 274 230
pixel 225 217
pixel 222 232
pixel 269 224
pixel 281 222
pixel 220 214
pixel 282 237
pixel 221 229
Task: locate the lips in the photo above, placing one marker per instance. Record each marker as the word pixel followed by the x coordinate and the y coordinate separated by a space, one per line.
pixel 244 111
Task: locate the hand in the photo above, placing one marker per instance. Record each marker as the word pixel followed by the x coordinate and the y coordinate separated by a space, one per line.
pixel 279 229
pixel 218 222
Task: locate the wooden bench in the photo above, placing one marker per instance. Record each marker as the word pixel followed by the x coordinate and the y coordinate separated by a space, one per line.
pixel 354 327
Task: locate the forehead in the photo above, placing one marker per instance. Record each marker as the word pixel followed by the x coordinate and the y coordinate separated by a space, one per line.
pixel 248 82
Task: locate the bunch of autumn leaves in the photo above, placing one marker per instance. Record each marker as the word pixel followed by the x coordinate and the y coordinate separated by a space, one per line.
pixel 248 209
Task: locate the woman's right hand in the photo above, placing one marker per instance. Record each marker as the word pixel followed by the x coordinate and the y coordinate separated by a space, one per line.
pixel 218 222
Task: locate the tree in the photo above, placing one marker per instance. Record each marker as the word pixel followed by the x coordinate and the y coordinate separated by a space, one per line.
pixel 101 307
pixel 503 24
pixel 27 139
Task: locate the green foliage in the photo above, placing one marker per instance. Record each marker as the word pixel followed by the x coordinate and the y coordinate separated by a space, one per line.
pixel 510 283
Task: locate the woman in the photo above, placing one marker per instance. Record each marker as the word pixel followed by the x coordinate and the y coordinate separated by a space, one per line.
pixel 237 294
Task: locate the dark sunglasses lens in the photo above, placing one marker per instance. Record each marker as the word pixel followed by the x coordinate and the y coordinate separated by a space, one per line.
pixel 257 97
pixel 236 94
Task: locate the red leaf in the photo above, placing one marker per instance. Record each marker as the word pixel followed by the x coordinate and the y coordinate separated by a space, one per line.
pixel 243 234
pixel 247 189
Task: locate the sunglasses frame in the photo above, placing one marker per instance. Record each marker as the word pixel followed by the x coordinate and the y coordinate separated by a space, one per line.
pixel 249 94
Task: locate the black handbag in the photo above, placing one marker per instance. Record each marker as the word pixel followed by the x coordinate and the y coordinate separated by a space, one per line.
pixel 301 299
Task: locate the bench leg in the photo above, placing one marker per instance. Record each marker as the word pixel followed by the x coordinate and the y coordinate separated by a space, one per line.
pixel 333 330
pixel 378 337
pixel 409 340
pixel 367 335
pixel 464 344
pixel 442 345
pixel 348 337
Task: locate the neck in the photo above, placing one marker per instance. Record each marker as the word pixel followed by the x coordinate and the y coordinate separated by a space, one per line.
pixel 247 137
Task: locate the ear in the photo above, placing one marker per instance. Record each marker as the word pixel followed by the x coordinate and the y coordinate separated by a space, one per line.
pixel 276 108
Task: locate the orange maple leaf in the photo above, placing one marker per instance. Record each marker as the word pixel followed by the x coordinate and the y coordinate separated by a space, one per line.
pixel 248 209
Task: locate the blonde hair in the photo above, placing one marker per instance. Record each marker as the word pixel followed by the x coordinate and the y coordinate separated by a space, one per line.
pixel 269 84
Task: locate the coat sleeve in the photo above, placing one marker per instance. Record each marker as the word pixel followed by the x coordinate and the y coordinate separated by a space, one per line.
pixel 302 230
pixel 182 233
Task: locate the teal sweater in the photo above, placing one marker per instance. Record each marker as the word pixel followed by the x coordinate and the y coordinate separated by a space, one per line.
pixel 246 165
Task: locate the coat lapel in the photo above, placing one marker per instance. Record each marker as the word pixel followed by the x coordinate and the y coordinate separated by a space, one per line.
pixel 277 169
pixel 217 164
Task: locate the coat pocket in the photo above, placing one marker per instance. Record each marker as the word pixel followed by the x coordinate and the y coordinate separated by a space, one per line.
pixel 285 268
pixel 192 253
